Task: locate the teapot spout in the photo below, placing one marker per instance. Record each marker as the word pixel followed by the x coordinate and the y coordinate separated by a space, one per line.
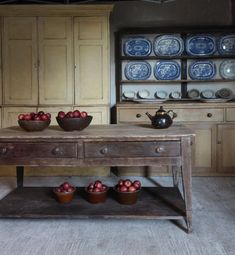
pixel 149 115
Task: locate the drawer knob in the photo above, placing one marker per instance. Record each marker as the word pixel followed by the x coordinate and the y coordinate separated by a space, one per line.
pixel 3 150
pixel 209 114
pixel 57 151
pixel 159 149
pixel 138 115
pixel 104 150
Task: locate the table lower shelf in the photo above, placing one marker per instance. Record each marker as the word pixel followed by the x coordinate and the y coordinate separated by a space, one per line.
pixel 35 202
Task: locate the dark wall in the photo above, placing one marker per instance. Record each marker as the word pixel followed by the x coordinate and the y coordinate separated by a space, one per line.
pixel 176 13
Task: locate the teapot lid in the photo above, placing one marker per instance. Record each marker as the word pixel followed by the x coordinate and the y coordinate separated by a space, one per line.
pixel 161 111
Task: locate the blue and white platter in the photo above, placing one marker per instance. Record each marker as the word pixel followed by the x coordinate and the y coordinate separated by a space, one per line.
pixel 227 69
pixel 200 45
pixel 226 44
pixel 168 45
pixel 137 70
pixel 202 70
pixel 137 46
pixel 167 70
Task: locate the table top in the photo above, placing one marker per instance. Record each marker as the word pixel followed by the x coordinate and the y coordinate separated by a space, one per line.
pixel 112 131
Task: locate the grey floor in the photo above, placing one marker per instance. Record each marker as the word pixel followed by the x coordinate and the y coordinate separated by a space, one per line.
pixel 213 226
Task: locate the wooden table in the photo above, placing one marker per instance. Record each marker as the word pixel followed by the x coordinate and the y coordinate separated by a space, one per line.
pixel 106 145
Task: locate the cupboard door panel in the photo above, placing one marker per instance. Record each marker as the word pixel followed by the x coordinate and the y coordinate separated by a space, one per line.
pixel 226 148
pixel 56 66
pixel 20 61
pixel 91 60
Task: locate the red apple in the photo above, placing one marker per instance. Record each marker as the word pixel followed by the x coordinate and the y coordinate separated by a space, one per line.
pixel 132 188
pixel 40 113
pixel 98 184
pixel 27 117
pixel 48 115
pixel 97 189
pixel 83 114
pixel 61 114
pixel 137 184
pixel 91 186
pixel 66 185
pixel 44 117
pixel 123 189
pixel 21 117
pixel 127 183
pixel 104 187
pixel 76 114
pixel 37 118
pixel 70 189
pixel 32 114
pixel 120 182
pixel 69 114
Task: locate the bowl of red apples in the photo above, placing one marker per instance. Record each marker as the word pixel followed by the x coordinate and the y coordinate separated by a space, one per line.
pixel 34 121
pixel 96 192
pixel 65 192
pixel 76 120
pixel 127 191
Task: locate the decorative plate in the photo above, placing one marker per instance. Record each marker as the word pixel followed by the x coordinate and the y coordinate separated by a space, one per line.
pixel 227 69
pixel 226 44
pixel 224 93
pixel 129 94
pixel 137 46
pixel 161 94
pixel 138 70
pixel 175 95
pixel 143 94
pixel 193 94
pixel 168 45
pixel 202 70
pixel 208 93
pixel 200 45
pixel 167 70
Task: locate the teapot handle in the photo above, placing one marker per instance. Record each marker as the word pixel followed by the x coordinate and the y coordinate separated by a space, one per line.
pixel 174 115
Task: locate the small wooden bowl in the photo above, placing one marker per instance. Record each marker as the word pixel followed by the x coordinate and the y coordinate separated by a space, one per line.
pixel 34 125
pixel 71 124
pixel 96 197
pixel 64 197
pixel 127 198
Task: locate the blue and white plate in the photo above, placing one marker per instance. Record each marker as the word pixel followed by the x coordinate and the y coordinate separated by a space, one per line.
pixel 227 69
pixel 226 44
pixel 137 70
pixel 167 70
pixel 168 45
pixel 137 46
pixel 200 45
pixel 202 70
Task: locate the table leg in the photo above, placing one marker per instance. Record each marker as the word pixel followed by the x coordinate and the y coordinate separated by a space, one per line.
pixel 175 175
pixel 20 176
pixel 187 180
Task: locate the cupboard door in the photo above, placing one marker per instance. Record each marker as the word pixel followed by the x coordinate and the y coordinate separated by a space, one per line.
pixel 100 114
pixel 20 61
pixel 56 64
pixel 204 148
pixel 91 60
pixel 226 148
pixel 10 115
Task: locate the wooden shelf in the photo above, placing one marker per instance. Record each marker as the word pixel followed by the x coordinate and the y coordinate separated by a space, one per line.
pixel 175 81
pixel 35 202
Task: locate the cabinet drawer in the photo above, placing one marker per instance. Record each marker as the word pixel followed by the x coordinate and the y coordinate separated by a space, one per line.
pixel 38 150
pixel 230 114
pixel 190 115
pixel 131 149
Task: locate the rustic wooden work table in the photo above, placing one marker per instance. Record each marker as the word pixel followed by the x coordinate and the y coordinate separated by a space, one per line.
pixel 103 145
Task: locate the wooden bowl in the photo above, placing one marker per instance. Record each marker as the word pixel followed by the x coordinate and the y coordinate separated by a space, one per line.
pixel 96 197
pixel 71 124
pixel 34 125
pixel 127 198
pixel 64 197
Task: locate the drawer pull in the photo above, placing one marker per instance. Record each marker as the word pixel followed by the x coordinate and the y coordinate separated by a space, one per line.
pixel 104 150
pixel 159 149
pixel 57 151
pixel 209 115
pixel 3 150
pixel 138 115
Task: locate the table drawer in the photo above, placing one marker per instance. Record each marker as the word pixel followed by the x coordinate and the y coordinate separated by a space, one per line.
pixel 131 149
pixel 183 114
pixel 38 150
pixel 230 114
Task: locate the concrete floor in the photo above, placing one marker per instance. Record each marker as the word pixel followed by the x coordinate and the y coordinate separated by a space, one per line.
pixel 213 226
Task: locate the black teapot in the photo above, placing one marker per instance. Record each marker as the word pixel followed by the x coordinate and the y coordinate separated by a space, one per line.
pixel 162 119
